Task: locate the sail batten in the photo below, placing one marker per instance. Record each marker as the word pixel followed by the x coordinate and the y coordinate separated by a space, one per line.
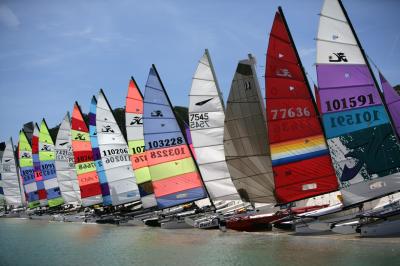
pixel 173 171
pixel 300 156
pixel 206 122
pixel 362 144
pixel 64 162
pixel 246 146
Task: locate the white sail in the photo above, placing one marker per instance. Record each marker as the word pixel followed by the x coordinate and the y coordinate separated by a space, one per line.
pixel 114 155
pixel 246 145
pixel 206 121
pixel 10 176
pixel 65 166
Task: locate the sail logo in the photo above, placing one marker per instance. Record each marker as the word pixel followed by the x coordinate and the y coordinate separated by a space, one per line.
pixel 247 85
pixel 280 55
pixel 136 120
pixel 26 155
pixel 181 195
pixel 339 57
pixel 107 129
pixel 79 136
pixel 291 88
pixel 46 148
pixel 203 102
pixel 64 143
pixel 283 72
pixel 335 37
pixel 156 113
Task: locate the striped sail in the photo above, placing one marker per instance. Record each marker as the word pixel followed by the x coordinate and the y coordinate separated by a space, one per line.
pixel 114 155
pixel 300 157
pixel 392 100
pixel 10 176
pixel 206 121
pixel 83 157
pixel 173 171
pixel 2 200
pixel 364 150
pixel 105 190
pixel 47 158
pixel 66 172
pixel 27 171
pixel 36 166
pixel 246 147
pixel 134 130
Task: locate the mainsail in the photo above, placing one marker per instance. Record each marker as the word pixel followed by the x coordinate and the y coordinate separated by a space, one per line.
pixel 246 147
pixel 134 131
pixel 47 164
pixel 300 157
pixel 392 100
pixel 206 121
pixel 101 173
pixel 36 166
pixel 66 172
pixel 10 176
pixel 83 157
pixel 27 170
pixel 175 177
pixel 114 155
pixel 364 150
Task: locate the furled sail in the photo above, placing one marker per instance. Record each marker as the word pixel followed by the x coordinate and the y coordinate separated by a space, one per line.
pixel 10 176
pixel 47 157
pixel 114 155
pixel 66 172
pixel 300 157
pixel 27 170
pixel 134 131
pixel 392 100
pixel 206 121
pixel 105 190
pixel 36 166
pixel 83 157
pixel 246 146
pixel 173 171
pixel 364 150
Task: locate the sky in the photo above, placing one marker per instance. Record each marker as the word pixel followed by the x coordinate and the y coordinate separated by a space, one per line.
pixel 53 53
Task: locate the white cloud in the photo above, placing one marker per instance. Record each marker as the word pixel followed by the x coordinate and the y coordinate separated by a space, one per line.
pixel 8 18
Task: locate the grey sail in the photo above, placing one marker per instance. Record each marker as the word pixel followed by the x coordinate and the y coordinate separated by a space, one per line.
pixel 245 137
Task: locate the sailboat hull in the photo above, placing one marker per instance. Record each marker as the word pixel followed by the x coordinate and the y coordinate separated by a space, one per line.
pixel 385 227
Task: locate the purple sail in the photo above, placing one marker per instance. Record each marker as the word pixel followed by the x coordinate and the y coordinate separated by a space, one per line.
pixel 392 99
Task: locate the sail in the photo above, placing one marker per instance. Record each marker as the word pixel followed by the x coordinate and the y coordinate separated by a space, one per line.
pixel 246 147
pixel 300 157
pixel 66 172
pixel 134 131
pixel 392 100
pixel 364 150
pixel 10 176
pixel 2 147
pixel 47 157
pixel 206 121
pixel 88 180
pixel 37 168
pixel 189 139
pixel 27 171
pixel 173 171
pixel 105 190
pixel 114 155
pixel 317 99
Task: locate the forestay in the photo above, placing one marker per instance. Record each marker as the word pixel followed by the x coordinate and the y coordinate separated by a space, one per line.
pixel 364 150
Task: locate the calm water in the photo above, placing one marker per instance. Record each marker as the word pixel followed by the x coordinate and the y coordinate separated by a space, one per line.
pixel 25 242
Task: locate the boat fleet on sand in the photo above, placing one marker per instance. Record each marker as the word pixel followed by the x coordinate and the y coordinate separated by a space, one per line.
pixel 328 163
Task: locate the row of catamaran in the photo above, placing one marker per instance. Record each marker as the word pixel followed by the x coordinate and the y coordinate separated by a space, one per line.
pixel 326 165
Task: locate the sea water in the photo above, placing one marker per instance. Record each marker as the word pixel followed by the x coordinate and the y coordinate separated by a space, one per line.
pixel 28 242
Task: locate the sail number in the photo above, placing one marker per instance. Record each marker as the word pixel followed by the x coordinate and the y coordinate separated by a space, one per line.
pixel 116 159
pixel 345 103
pixel 290 113
pixel 165 142
pixel 198 120
pixel 114 152
pixel 354 119
pixel 166 153
pixel 138 149
pixel 86 166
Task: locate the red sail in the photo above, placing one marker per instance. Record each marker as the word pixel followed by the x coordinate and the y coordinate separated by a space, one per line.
pixel 300 157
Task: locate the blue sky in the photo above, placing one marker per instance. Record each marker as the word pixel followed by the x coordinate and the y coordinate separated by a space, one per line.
pixel 55 52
